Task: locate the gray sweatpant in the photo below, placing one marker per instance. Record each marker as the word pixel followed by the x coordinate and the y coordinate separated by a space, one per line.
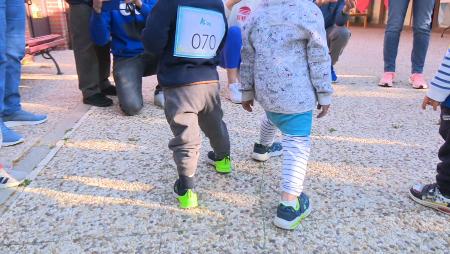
pixel 337 38
pixel 188 110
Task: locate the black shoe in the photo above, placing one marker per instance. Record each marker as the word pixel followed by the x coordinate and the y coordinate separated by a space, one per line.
pixel 98 100
pixel 109 90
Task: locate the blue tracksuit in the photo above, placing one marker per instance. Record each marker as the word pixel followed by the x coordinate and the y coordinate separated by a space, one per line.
pixel 122 27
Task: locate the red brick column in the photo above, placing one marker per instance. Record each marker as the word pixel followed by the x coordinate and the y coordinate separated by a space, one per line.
pixel 56 10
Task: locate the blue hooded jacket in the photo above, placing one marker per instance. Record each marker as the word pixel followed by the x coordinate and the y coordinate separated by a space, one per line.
pixel 122 28
pixel 332 14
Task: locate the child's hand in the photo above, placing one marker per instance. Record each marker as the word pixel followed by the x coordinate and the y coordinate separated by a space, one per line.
pixel 248 105
pixel 324 111
pixel 323 2
pixel 97 5
pixel 428 101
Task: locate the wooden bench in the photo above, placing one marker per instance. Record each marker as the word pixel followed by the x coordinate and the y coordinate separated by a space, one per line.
pixel 353 13
pixel 42 45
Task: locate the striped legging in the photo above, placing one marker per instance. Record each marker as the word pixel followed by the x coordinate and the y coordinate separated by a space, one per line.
pixel 296 151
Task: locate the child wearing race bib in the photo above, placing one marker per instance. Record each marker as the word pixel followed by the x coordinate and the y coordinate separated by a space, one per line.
pixel 286 68
pixel 237 12
pixel 437 194
pixel 186 36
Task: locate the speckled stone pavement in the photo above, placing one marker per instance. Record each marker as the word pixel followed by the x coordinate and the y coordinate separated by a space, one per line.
pixel 109 188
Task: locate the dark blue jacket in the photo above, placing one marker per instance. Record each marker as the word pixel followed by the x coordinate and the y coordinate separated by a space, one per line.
pixel 122 27
pixel 158 38
pixel 332 14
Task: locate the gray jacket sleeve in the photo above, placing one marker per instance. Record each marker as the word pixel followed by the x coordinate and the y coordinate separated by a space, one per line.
pixel 319 62
pixel 248 61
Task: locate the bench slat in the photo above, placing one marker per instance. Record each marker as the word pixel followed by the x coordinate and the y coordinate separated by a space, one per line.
pixel 41 47
pixel 42 39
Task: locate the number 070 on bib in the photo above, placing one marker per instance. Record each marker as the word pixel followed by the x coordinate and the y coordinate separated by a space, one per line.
pixel 198 32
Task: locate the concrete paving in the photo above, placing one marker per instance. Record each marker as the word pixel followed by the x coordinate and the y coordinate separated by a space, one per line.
pixel 109 188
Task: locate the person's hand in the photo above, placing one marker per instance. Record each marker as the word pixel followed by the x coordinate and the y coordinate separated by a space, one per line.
pixel 248 105
pixel 349 4
pixel 97 5
pixel 231 3
pixel 324 108
pixel 138 3
pixel 427 101
pixel 323 2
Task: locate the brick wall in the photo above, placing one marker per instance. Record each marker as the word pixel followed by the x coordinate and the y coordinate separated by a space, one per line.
pixel 56 11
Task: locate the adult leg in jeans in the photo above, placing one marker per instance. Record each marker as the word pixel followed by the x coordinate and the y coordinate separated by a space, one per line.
pixel 15 50
pixel 422 11
pixel 443 168
pixel 87 63
pixel 337 38
pixel 128 73
pixel 397 13
pixel 2 53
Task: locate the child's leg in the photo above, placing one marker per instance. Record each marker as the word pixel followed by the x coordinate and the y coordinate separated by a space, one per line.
pixel 295 159
pixel 182 105
pixel 267 132
pixel 443 168
pixel 211 123
pixel 128 73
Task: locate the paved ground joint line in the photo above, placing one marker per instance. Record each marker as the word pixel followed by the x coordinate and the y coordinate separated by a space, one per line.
pixel 43 163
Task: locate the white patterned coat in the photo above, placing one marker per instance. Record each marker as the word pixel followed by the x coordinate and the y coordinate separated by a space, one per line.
pixel 286 66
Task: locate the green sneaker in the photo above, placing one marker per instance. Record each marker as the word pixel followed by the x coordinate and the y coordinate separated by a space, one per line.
pixel 223 166
pixel 188 200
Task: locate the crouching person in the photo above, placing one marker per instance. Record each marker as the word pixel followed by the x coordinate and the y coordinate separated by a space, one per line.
pixel 123 27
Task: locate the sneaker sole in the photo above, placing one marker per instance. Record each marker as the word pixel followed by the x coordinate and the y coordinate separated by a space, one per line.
pixel 420 87
pixel 10 185
pixel 291 225
pixel 385 85
pixel 266 156
pixel 11 124
pixel 213 163
pixel 439 208
pixel 5 144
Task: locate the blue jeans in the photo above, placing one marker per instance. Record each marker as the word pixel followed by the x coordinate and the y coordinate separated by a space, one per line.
pixel 12 50
pixel 231 53
pixel 422 12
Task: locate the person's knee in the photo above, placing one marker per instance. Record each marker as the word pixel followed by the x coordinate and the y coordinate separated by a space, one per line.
pixel 131 108
pixel 343 34
pixel 422 29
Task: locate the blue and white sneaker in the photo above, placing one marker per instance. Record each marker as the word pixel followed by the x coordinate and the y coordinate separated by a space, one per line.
pixel 288 217
pixel 23 117
pixel 334 78
pixel 263 153
pixel 10 137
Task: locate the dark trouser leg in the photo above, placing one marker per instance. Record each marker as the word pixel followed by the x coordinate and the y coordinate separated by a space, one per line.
pixel 181 107
pixel 104 64
pixel 211 123
pixel 86 60
pixel 443 168
pixel 337 38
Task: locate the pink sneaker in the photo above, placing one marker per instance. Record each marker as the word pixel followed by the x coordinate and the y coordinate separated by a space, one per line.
pixel 417 80
pixel 387 80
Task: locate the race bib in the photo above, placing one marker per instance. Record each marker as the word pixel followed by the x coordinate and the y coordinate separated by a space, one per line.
pixel 198 33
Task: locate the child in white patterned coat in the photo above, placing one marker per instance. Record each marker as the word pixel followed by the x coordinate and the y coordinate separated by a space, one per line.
pixel 286 68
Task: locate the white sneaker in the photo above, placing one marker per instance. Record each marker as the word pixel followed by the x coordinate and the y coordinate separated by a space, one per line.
pixel 158 99
pixel 11 178
pixel 235 93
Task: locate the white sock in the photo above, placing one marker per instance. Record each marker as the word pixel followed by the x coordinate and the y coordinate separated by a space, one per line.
pixel 292 203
